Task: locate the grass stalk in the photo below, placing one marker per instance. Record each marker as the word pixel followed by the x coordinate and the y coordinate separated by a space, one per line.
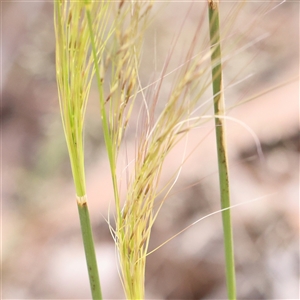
pixel 219 108
pixel 74 73
pixel 89 248
pixel 118 67
pixel 106 132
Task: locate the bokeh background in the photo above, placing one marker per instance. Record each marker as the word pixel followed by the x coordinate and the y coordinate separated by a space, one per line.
pixel 41 249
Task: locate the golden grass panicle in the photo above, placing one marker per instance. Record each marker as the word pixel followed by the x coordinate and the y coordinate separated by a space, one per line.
pixel 158 137
pixel 119 70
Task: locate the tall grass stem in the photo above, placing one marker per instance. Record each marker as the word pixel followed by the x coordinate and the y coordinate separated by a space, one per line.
pixel 219 108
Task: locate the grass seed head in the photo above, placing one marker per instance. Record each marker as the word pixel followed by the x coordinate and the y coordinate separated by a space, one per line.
pixel 74 72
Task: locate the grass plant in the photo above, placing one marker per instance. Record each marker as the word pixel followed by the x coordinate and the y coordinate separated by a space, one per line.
pixel 79 29
pixel 122 62
pixel 105 38
pixel 74 73
pixel 136 214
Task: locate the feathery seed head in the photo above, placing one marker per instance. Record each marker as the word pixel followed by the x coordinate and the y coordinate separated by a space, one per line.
pixel 74 72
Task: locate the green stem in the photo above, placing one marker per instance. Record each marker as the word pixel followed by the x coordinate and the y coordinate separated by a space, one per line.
pixel 106 131
pixel 85 224
pixel 89 248
pixel 219 107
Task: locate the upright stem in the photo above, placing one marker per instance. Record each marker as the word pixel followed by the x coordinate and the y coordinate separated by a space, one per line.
pixel 219 107
pixel 77 163
pixel 106 131
pixel 89 248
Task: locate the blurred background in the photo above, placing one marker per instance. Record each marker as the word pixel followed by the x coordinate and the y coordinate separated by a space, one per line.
pixel 42 253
